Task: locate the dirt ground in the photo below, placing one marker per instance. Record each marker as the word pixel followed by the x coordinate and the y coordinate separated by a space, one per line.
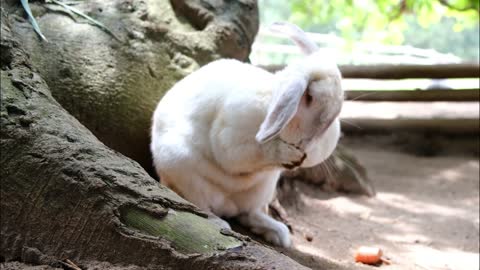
pixel 425 214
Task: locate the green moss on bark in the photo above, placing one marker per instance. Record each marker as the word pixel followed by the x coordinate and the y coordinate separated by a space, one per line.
pixel 189 232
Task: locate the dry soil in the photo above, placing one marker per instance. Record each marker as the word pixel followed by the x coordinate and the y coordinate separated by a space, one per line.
pixel 425 214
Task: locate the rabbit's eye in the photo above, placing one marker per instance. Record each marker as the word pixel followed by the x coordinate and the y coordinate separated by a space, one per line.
pixel 308 99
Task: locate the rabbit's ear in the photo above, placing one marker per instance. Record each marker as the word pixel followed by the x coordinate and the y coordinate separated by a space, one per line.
pixel 282 108
pixel 294 32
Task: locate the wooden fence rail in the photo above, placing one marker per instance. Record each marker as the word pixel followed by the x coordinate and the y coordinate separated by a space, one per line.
pixel 415 95
pixel 441 71
pixel 438 126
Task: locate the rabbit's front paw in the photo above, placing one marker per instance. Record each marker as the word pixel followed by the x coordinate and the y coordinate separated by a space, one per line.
pixel 279 236
pixel 272 230
pixel 290 155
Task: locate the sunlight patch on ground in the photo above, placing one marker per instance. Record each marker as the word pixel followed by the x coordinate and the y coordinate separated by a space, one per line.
pixel 445 259
pixel 457 173
pixel 340 205
pixel 417 207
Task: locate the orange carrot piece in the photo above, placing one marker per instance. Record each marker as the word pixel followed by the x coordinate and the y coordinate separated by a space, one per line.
pixel 368 255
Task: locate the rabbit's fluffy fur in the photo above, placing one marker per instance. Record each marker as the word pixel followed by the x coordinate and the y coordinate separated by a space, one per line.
pixel 222 135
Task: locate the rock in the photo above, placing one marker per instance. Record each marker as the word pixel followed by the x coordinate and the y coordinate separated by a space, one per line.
pixel 340 172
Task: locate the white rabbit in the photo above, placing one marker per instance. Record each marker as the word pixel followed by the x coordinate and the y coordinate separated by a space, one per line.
pixel 222 135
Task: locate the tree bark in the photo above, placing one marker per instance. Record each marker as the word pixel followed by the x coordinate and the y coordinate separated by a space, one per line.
pixel 64 194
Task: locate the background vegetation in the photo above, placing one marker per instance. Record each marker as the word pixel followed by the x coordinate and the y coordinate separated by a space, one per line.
pixel 447 26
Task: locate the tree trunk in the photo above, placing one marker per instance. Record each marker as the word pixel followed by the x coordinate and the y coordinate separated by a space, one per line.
pixel 64 194
pixel 113 85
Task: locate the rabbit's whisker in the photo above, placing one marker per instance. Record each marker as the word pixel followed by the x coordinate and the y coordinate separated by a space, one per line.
pixel 363 95
pixel 350 123
pixel 333 167
pixel 327 169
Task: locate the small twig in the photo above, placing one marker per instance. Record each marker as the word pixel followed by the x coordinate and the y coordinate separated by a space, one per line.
pixel 401 10
pixel 55 8
pixel 70 264
pixel 385 261
pixel 72 2
pixel 32 20
pixel 85 16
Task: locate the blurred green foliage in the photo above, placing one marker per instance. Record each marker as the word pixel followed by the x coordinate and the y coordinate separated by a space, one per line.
pixel 444 25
